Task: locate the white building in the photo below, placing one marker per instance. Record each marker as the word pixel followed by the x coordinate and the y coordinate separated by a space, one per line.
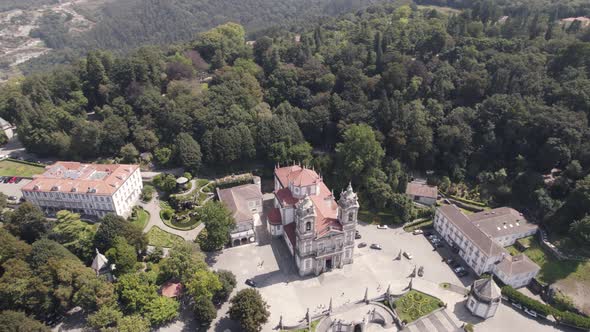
pixel 484 298
pixel 318 231
pixel 421 192
pixel 480 239
pixel 88 189
pixel 245 203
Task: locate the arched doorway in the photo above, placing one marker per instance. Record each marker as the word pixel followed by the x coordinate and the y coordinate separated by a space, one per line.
pixel 358 328
pixel 236 242
pixel 244 240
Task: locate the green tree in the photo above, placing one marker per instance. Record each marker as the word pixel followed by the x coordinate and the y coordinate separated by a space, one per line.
pixel 147 193
pixel 123 255
pixel 359 153
pixel 205 311
pixel 136 291
pixel 182 263
pixel 133 323
pixel 228 283
pixel 112 226
pixel 15 321
pixel 11 247
pixel 203 283
pixel 580 230
pixel 249 309
pixel 74 234
pixel 218 223
pixel 129 153
pixel 165 182
pixel 162 155
pixel 27 222
pixel 188 152
pixel 161 310
pixel 105 317
pixel 21 288
pixel 44 249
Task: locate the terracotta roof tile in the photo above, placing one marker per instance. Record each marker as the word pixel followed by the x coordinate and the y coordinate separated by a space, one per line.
pixel 72 177
pixel 171 289
pixel 286 197
pixel 421 189
pixel 297 175
pixel 274 216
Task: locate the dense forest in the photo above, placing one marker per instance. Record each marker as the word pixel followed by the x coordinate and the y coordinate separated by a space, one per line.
pixel 127 24
pixel 374 95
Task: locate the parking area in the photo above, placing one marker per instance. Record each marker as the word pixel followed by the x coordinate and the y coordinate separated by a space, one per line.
pixel 13 189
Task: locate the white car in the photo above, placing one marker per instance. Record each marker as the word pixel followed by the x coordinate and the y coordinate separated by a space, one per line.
pixel 407 255
pixel 418 232
pixel 530 312
pixel 382 227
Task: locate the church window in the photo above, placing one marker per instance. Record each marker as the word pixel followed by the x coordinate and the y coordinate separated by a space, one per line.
pixel 307 226
pixel 350 216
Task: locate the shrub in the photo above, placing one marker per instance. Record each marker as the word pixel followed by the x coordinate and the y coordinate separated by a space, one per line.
pixel 528 302
pixel 167 214
pixel 147 193
pixel 468 327
pixel 468 201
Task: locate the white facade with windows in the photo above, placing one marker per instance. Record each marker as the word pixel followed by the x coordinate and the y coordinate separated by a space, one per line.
pixel 479 239
pixel 92 190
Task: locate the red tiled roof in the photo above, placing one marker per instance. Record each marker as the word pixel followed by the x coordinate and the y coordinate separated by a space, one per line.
pixel 171 289
pixel 274 216
pixel 289 230
pixel 299 176
pixel 421 189
pixel 326 210
pixel 74 177
pixel 286 197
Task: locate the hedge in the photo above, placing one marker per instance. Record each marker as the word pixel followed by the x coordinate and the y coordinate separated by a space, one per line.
pixel 564 317
pixel 516 296
pixel 25 162
pixel 468 201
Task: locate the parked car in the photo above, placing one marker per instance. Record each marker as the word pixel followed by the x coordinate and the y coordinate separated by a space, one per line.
pixel 450 261
pixel 18 180
pixel 460 271
pixel 376 246
pixel 407 255
pixel 516 305
pixel 362 245
pixel 357 235
pixel 428 233
pixel 250 283
pixel 382 227
pixel 418 232
pixel 12 198
pixel 421 271
pixel 12 179
pixel 530 312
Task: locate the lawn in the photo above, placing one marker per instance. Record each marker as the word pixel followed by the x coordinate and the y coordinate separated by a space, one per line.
pixel 159 238
pixel 380 217
pixel 414 305
pixel 552 269
pixel 142 218
pixel 424 224
pixel 9 167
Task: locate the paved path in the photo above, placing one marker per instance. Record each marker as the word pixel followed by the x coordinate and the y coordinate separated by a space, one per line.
pixel 153 207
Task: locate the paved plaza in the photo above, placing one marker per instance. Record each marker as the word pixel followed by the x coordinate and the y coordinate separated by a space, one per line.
pixel 288 295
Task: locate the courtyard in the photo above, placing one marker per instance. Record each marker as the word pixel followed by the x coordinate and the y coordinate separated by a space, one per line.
pixel 289 296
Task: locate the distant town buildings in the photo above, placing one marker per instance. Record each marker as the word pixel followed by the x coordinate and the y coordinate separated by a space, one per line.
pixel 484 298
pixel 88 189
pixel 318 231
pixel 480 239
pixel 245 203
pixel 422 193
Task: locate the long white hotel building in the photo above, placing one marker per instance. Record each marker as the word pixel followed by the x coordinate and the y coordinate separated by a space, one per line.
pixel 88 189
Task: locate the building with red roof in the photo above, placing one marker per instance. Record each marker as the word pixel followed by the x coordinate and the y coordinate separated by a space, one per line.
pixel 88 189
pixel 318 230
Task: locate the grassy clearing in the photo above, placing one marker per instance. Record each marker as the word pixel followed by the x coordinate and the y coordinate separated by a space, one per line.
pixel 414 305
pixel 552 269
pixel 202 182
pixel 180 225
pixel 142 218
pixel 17 168
pixel 380 217
pixel 159 238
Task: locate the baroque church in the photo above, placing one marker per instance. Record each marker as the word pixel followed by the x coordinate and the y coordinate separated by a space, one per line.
pixel 318 230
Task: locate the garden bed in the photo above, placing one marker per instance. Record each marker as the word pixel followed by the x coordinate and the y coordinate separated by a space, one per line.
pixel 379 217
pixel 415 304
pixel 159 238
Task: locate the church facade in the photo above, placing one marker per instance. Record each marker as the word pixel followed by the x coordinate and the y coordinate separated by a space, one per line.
pixel 318 230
